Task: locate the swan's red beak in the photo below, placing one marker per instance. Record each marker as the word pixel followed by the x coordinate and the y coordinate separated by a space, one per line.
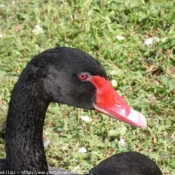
pixel 109 102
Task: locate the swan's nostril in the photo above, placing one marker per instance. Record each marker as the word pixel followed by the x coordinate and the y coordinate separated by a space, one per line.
pixel 119 106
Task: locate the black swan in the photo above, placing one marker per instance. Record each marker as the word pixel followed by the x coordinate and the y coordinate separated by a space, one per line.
pixel 126 163
pixel 62 75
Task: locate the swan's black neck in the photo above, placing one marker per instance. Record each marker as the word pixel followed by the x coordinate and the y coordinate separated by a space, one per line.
pixel 25 120
pixel 51 76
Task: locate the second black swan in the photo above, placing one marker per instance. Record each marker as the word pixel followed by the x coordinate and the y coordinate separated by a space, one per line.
pixel 62 75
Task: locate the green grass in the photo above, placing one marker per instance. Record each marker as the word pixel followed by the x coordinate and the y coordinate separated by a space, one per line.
pixel 145 74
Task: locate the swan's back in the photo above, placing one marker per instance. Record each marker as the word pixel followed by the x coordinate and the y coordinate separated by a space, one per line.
pixel 127 163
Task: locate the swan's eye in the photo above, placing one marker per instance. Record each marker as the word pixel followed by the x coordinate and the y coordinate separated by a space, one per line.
pixel 83 76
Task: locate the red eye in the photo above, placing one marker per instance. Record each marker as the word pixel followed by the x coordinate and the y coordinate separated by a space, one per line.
pixel 83 76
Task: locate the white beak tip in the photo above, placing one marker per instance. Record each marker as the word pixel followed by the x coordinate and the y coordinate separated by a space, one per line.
pixel 138 119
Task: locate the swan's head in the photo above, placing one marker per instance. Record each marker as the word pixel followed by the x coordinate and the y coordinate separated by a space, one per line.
pixel 70 76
